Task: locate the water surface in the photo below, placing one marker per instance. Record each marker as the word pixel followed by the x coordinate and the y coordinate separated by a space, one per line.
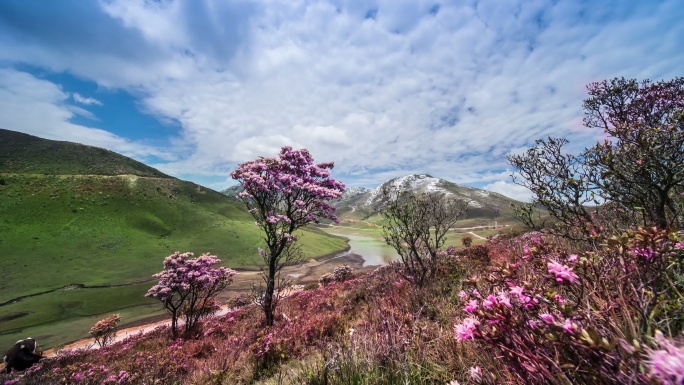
pixel 374 250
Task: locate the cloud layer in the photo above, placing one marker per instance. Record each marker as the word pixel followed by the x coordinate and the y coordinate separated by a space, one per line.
pixel 383 88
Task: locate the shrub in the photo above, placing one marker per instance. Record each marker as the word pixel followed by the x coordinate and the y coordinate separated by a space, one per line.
pixel 105 330
pixel 187 286
pixel 416 227
pixel 557 317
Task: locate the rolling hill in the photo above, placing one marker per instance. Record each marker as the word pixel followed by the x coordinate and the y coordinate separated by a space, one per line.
pixel 82 229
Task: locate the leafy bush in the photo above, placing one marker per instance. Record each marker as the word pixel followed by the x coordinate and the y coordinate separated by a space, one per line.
pixel 105 330
pixel 187 286
pixel 557 317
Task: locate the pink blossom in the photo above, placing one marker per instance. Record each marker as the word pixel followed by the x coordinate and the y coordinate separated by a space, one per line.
pixel 471 306
pixel 526 252
pixel 489 302
pixel 572 258
pixel 559 298
pixel 476 374
pixel 462 295
pixel 516 290
pixel 465 330
pixel 667 363
pixel 562 272
pixel 504 299
pixel 569 326
pixel 546 317
pixel 644 253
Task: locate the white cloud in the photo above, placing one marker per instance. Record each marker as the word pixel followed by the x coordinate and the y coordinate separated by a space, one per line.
pixel 38 107
pixel 446 90
pixel 510 190
pixel 85 100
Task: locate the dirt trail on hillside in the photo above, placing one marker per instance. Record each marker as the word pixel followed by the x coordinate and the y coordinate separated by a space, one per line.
pixel 301 274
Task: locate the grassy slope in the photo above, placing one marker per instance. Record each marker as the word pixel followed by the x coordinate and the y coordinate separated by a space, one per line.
pixel 73 214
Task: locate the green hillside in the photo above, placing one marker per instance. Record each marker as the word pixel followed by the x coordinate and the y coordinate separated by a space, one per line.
pixel 76 220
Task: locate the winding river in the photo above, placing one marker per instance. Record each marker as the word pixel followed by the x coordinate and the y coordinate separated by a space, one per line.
pixel 374 250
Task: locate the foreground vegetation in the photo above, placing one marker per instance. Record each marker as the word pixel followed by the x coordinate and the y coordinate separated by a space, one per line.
pixel 530 323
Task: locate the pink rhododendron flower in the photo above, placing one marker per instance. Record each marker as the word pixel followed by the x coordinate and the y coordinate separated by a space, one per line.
pixel 517 290
pixel 504 299
pixel 546 317
pixel 667 363
pixel 559 298
pixel 489 302
pixel 569 326
pixel 562 272
pixel 476 374
pixel 572 259
pixel 465 330
pixel 462 295
pixel 471 306
pixel 645 253
pixel 526 252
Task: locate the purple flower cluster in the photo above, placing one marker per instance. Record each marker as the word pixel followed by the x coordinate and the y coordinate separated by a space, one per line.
pixel 292 179
pixel 187 285
pixel 184 274
pixel 667 363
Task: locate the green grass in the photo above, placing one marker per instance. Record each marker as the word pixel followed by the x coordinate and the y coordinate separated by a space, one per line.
pixel 61 230
pixel 67 315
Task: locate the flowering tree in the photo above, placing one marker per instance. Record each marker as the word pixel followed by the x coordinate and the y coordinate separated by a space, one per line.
pixel 105 330
pixel 284 194
pixel 640 168
pixel 187 286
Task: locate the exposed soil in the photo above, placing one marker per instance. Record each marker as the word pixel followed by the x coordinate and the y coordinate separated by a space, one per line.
pixel 301 274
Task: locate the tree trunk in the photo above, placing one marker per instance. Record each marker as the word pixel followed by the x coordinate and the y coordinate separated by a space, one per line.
pixel 174 323
pixel 268 296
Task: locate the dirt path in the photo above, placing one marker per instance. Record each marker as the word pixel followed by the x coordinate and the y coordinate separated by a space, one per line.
pixel 301 274
pixel 475 235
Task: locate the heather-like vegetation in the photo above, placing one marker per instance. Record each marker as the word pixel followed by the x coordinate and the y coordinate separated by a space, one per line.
pixel 523 309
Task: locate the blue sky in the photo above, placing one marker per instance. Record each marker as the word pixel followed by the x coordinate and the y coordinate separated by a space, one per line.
pixel 382 88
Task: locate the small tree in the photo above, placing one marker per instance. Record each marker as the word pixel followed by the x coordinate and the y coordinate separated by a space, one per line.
pixel 105 330
pixel 284 194
pixel 187 286
pixel 467 240
pixel 642 165
pixel 416 226
pixel 561 183
pixel 639 169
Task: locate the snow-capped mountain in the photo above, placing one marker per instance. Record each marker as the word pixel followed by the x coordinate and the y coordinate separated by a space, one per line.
pixel 362 203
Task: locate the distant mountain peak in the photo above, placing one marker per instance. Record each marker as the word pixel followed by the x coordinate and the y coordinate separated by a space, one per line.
pixel 358 203
pixel 416 183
